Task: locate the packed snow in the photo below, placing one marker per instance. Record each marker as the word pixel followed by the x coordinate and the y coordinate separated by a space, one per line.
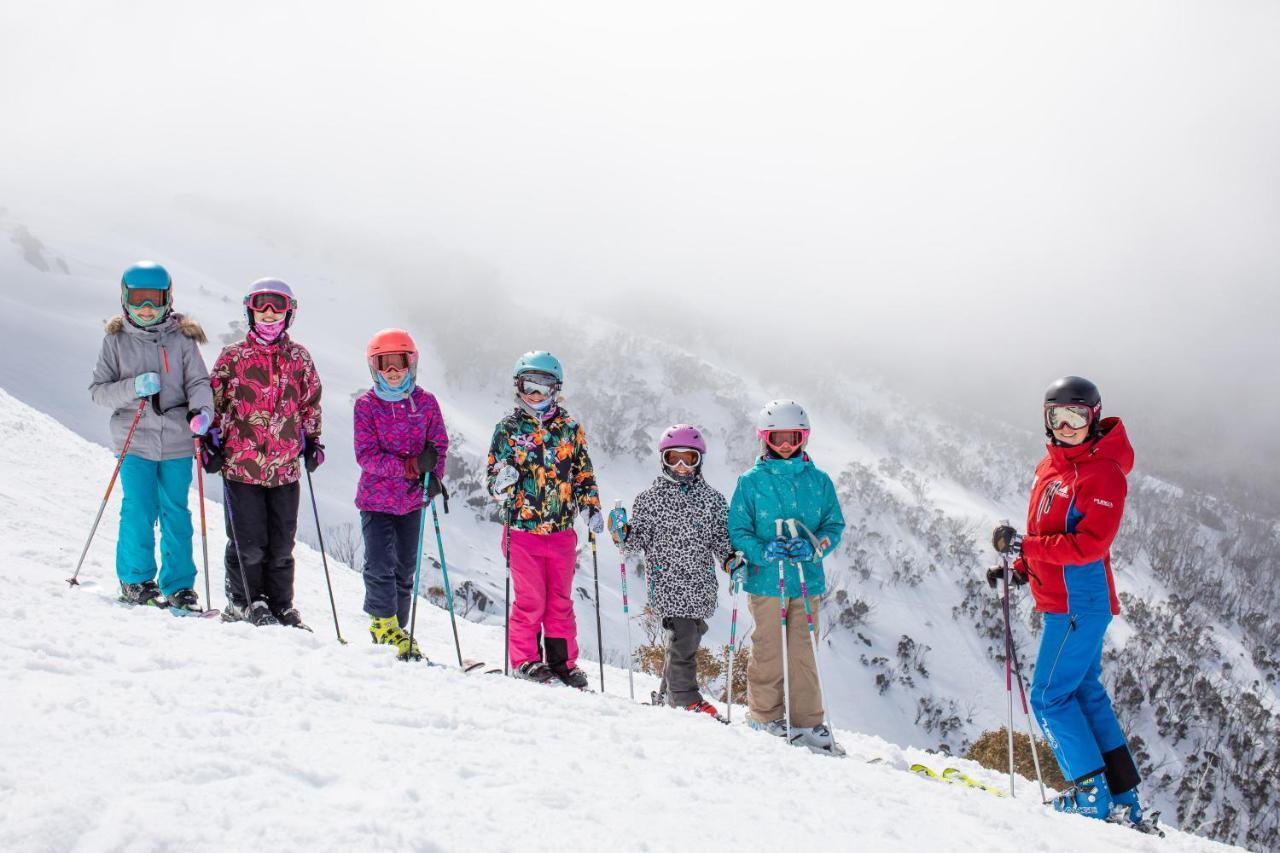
pixel 130 729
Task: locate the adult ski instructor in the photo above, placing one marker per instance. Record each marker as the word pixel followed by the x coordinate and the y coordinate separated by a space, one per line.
pixel 1077 501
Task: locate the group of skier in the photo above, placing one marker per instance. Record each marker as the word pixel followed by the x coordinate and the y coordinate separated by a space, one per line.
pixel 256 419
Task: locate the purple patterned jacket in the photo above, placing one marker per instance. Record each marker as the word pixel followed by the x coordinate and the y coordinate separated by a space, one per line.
pixel 386 434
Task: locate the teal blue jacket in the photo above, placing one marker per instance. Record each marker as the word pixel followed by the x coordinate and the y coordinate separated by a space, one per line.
pixel 783 488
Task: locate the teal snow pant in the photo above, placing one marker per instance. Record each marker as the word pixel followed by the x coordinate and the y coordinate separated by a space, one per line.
pixel 155 491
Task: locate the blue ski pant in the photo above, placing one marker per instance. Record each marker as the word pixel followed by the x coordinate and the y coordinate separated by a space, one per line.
pixel 390 560
pixel 155 491
pixel 1068 698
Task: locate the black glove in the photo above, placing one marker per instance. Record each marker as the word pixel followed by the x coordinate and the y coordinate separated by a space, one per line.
pixel 434 486
pixel 1006 540
pixel 211 458
pixel 428 458
pixel 995 573
pixel 312 454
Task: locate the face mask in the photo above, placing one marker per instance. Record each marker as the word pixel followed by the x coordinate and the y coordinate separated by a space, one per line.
pixel 268 332
pixel 161 315
pixel 391 393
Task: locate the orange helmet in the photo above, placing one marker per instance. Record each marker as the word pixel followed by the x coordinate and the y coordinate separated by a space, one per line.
pixel 388 342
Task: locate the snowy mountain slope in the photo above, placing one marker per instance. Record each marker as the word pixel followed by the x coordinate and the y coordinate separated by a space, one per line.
pixel 131 729
pixel 912 638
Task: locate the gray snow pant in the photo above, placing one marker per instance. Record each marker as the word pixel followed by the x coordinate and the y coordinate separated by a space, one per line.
pixel 680 675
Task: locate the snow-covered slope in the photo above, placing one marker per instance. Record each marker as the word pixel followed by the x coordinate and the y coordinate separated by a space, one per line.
pixel 129 729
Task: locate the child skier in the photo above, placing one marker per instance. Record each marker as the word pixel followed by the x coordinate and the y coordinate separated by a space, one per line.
pixel 784 484
pixel 267 399
pixel 400 439
pixel 540 471
pixel 1077 501
pixel 151 354
pixel 679 524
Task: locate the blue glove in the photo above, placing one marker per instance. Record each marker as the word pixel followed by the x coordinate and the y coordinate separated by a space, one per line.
pixel 777 550
pixel 800 550
pixel 593 519
pixel 619 529
pixel 146 384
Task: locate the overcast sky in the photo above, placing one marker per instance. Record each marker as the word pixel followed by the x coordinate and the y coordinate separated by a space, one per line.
pixel 971 197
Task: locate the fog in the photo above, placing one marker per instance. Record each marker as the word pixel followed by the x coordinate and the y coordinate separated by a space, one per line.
pixel 969 199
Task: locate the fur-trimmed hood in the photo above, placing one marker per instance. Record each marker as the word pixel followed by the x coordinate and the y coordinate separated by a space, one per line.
pixel 189 327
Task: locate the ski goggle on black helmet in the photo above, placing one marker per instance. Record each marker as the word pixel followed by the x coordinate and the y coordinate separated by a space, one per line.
pixel 1072 402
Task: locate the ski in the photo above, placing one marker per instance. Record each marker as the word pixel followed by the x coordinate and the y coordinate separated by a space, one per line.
pixel 952 778
pixel 952 774
pixel 155 603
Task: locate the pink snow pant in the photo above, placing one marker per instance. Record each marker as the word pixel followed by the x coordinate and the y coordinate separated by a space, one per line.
pixel 542 577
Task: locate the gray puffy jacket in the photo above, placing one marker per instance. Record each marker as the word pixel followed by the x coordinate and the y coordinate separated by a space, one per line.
pixel 171 349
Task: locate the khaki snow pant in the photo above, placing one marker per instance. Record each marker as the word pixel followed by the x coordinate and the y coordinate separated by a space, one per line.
pixel 764 670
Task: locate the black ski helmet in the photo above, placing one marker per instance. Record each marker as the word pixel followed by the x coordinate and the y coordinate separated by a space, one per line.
pixel 1074 391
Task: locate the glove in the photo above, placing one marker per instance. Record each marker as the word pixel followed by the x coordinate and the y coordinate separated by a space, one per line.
pixel 995 573
pixel 211 457
pixel 505 476
pixel 411 470
pixel 618 527
pixel 434 486
pixel 200 421
pixel 592 518
pixel 427 459
pixel 1006 540
pixel 312 454
pixel 146 384
pixel 733 563
pixel 777 550
pixel 800 550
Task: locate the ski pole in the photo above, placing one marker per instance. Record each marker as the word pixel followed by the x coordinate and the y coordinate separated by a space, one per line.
pixel 1008 666
pixel 735 583
pixel 626 613
pixel 417 568
pixel 506 628
pixel 1017 673
pixel 444 571
pixel 74 580
pixel 315 511
pixel 235 545
pixel 813 641
pixel 595 564
pixel 204 526
pixel 786 678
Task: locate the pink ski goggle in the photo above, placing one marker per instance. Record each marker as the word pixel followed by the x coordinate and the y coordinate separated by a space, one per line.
pixel 1070 416
pixel 277 302
pixel 781 439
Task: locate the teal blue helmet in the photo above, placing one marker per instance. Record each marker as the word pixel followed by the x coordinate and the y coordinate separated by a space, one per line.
pixel 146 283
pixel 539 361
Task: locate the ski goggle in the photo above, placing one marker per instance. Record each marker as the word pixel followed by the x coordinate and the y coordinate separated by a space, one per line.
pixel 138 297
pixel 391 361
pixel 681 455
pixel 536 383
pixel 780 439
pixel 1070 416
pixel 277 302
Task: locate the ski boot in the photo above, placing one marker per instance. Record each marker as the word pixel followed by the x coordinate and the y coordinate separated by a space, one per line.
pixel 386 631
pixel 704 707
pixel 535 671
pixel 1126 810
pixel 291 618
pixel 186 599
pixel 817 739
pixel 571 676
pixel 777 728
pixel 1089 796
pixel 259 613
pixel 145 593
pixel 234 611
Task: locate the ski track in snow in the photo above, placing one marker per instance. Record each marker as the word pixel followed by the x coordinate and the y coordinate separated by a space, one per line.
pixel 130 729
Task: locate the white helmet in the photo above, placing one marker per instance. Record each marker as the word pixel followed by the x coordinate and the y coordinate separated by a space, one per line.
pixel 781 414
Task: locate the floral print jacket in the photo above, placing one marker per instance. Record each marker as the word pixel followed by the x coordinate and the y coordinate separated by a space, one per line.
pixel 556 479
pixel 266 397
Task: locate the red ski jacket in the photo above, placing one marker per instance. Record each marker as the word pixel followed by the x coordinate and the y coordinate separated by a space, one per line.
pixel 1077 501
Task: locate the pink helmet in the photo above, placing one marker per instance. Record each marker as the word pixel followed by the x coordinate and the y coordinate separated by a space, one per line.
pixel 682 435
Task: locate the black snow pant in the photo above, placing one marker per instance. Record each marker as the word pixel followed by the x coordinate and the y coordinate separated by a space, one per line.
pixel 390 560
pixel 261 525
pixel 680 675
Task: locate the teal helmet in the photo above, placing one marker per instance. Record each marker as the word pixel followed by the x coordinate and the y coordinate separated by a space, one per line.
pixel 539 361
pixel 146 283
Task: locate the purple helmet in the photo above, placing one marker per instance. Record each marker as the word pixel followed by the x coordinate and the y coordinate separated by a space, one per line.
pixel 275 287
pixel 682 435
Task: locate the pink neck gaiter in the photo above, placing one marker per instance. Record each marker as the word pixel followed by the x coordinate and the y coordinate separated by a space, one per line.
pixel 268 332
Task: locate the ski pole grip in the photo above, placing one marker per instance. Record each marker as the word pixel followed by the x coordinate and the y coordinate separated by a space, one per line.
pixel 444 493
pixel 791 525
pixel 779 523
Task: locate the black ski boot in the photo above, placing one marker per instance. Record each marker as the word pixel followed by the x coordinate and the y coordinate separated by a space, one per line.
pixel 234 612
pixel 260 614
pixel 186 599
pixel 557 655
pixel 572 677
pixel 535 671
pixel 291 618
pixel 147 593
